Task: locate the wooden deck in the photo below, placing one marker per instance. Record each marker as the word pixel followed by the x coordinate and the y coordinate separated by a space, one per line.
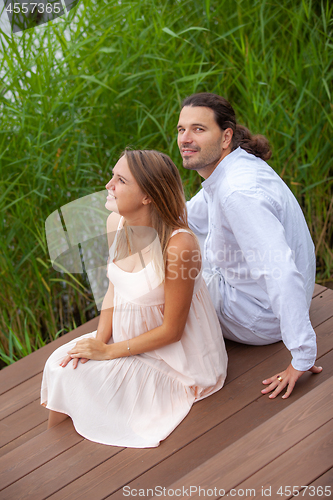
pixel 237 440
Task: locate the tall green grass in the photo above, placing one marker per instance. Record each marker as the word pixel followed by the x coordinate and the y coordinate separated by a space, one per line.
pixel 75 92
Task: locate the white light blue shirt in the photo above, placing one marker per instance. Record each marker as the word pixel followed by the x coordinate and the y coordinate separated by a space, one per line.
pixel 258 239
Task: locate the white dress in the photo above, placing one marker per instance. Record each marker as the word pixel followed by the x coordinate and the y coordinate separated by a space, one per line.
pixel 139 400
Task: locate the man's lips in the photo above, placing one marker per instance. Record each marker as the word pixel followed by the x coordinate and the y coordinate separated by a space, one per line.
pixel 189 152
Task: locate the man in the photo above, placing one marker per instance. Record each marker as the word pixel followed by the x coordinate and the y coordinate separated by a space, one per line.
pixel 259 252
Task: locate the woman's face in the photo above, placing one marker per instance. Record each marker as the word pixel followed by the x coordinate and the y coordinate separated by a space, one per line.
pixel 124 194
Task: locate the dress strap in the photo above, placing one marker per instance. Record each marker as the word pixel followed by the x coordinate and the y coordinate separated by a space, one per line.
pixel 181 230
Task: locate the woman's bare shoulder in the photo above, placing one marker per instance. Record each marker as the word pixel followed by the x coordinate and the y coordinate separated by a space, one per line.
pixel 183 241
pixel 183 254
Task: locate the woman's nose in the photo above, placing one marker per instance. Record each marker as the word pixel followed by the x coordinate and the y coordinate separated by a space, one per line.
pixel 109 185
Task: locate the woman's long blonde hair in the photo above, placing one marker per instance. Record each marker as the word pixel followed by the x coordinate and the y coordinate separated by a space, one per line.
pixel 159 178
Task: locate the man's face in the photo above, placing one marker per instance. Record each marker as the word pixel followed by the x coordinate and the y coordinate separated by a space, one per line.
pixel 200 140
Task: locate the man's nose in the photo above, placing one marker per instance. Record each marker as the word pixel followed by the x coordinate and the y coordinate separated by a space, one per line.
pixel 186 137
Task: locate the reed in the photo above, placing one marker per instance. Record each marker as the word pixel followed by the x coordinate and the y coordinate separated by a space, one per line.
pixel 76 92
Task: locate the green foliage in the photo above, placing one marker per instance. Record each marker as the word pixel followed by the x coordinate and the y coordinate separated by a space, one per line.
pixel 74 93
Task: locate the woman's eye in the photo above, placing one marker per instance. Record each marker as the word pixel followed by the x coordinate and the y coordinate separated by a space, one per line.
pixel 121 180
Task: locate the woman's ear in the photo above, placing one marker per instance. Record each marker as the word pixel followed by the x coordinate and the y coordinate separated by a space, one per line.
pixel 146 200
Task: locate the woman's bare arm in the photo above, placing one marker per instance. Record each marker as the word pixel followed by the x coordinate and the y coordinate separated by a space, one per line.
pixel 182 268
pixel 104 329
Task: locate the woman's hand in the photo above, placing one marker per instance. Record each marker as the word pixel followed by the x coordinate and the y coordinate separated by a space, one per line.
pixel 68 358
pixel 89 349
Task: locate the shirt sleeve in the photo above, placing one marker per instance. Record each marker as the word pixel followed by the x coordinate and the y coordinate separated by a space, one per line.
pixel 197 211
pixel 261 236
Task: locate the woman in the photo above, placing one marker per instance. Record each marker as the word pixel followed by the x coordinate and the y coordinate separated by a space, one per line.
pixel 158 347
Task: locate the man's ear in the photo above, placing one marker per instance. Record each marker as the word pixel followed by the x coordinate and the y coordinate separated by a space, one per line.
pixel 227 138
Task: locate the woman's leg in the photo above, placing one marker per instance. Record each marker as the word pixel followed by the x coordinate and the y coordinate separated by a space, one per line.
pixel 55 418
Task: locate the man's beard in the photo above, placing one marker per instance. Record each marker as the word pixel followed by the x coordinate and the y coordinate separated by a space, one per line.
pixel 209 159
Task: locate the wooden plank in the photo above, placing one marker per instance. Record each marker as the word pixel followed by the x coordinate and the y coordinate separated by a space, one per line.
pixel 43 353
pixel 23 418
pixel 30 415
pixel 109 469
pixel 39 450
pixel 265 443
pixel 312 378
pixel 247 352
pixel 114 473
pixel 56 473
pixel 15 443
pixel 21 421
pixel 300 465
pixel 229 344
pixel 29 390
pixel 324 334
pixel 321 308
pixel 241 359
pixel 318 289
pixel 248 356
pixel 225 434
pixel 205 416
pixel 33 364
pixel 244 357
pixel 326 480
pixel 20 396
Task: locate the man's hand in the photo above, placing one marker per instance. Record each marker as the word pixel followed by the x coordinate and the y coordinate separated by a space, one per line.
pixel 287 378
